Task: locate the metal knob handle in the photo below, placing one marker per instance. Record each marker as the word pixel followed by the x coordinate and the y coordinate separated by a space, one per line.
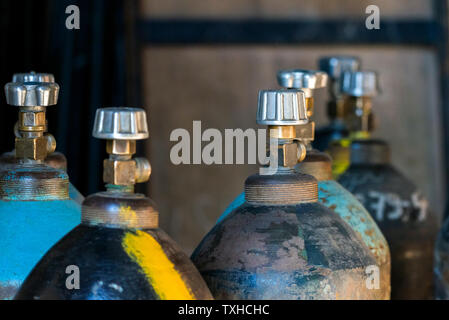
pixel 33 77
pixel 359 83
pixel 31 94
pixel 334 66
pixel 302 79
pixel 120 124
pixel 281 108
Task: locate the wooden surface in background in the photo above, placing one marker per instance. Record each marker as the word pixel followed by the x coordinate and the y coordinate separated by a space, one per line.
pixel 219 84
pixel 283 8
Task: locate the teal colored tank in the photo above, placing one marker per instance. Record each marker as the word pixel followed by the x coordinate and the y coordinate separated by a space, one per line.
pixel 35 208
pixel 346 205
pixel 35 213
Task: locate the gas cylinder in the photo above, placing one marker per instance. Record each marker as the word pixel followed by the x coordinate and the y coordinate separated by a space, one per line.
pixel 118 250
pixel 331 193
pixel 54 159
pixel 393 201
pixel 281 243
pixel 35 208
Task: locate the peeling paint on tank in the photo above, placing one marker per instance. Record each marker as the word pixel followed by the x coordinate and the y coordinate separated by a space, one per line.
pixel 346 205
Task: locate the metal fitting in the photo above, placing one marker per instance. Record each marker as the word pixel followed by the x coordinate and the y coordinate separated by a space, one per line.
pixel 122 127
pixel 359 83
pixel 32 93
pixel 283 111
pixel 304 80
pixel 359 87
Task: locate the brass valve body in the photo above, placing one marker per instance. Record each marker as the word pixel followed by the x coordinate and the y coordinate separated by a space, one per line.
pixel 120 169
pixel 32 142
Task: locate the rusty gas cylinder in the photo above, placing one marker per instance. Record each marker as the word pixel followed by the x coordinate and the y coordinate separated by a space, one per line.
pixel 118 251
pixel 331 193
pixel 54 159
pixel 35 208
pixel 336 130
pixel 400 211
pixel 393 201
pixel 281 243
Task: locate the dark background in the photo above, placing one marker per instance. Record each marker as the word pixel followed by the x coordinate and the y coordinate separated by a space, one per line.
pixel 91 66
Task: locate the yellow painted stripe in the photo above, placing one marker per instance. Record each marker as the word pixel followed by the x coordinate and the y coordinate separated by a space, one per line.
pixel 142 248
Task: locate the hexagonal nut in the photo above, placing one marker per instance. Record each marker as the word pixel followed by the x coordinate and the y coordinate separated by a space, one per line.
pixel 31 148
pixel 119 172
pixel 32 121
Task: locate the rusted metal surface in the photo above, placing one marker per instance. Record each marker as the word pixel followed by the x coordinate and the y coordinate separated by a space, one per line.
pixel 342 202
pixel 284 252
pixel 286 188
pixel 55 160
pixel 296 251
pixel 33 182
pixel 346 205
pixel 403 216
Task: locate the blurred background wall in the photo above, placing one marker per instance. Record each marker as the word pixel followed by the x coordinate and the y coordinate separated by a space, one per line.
pixel 186 60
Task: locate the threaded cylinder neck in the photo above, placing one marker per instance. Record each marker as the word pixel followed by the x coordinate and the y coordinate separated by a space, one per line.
pixel 281 189
pixel 33 182
pixel 119 210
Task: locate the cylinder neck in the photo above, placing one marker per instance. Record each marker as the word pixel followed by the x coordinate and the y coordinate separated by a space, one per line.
pixel 281 189
pixel 120 188
pixel 33 182
pixel 371 151
pixel 120 210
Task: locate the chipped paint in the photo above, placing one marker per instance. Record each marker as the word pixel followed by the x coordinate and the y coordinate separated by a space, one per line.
pixel 402 226
pixel 342 202
pixel 299 251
